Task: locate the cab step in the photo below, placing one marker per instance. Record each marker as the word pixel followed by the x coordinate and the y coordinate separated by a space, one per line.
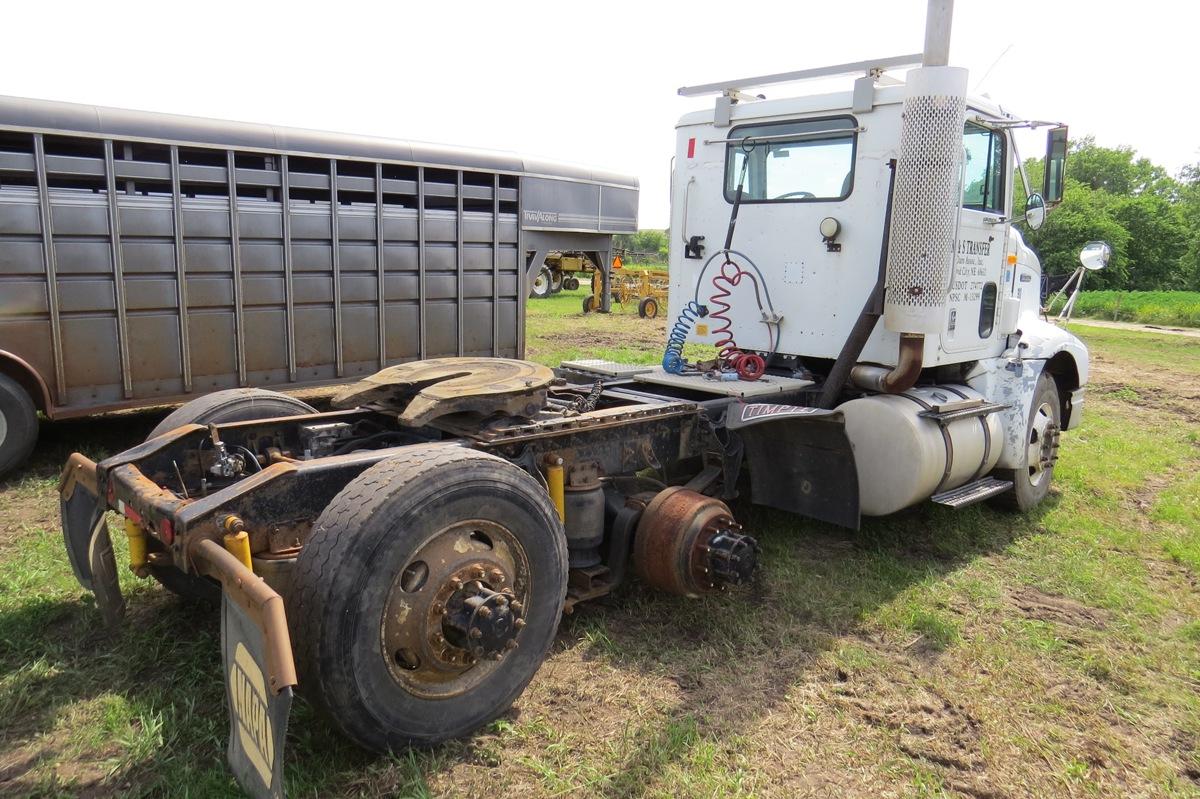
pixel 971 493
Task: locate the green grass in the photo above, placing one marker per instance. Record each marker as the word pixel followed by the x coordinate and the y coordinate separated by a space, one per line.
pixel 1180 308
pixel 933 653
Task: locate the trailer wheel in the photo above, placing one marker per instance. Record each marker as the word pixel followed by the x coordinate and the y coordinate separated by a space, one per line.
pixel 648 308
pixel 1031 482
pixel 571 283
pixel 541 285
pixel 18 424
pixel 589 303
pixel 427 596
pixel 556 281
pixel 232 405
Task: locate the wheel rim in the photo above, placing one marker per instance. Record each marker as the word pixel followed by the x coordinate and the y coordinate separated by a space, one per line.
pixel 1042 447
pixel 540 283
pixel 455 609
pixel 3 429
pixel 652 309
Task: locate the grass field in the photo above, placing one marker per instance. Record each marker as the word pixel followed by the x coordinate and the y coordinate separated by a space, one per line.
pixel 935 653
pixel 1180 308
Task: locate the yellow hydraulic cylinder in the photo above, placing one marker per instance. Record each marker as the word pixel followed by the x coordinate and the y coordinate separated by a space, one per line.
pixel 137 545
pixel 238 545
pixel 554 480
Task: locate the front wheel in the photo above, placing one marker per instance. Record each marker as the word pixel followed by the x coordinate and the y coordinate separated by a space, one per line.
pixel 1031 480
pixel 648 308
pixel 427 596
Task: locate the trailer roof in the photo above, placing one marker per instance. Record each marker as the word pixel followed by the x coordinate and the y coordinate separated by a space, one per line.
pixel 119 123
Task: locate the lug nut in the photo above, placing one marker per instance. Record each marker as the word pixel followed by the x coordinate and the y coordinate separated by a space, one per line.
pixel 518 624
pixel 496 575
pixel 516 606
pixel 484 612
pixel 502 600
pixel 476 632
pixel 477 572
pixel 456 584
pixel 510 644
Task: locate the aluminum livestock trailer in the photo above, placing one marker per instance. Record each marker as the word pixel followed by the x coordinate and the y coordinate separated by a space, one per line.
pixel 146 258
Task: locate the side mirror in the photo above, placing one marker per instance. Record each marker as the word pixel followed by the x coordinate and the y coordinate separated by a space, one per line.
pixel 1035 211
pixel 1095 255
pixel 1056 165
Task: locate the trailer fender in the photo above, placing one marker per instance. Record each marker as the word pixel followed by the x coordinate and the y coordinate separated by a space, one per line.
pixel 259 671
pixel 85 535
pixel 800 460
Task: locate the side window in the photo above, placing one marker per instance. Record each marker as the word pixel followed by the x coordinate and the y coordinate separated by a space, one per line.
pixel 983 171
pixel 791 161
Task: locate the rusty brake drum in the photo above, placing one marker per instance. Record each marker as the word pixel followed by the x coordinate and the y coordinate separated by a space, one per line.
pixel 689 544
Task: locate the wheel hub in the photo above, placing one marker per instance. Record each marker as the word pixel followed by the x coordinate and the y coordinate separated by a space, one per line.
pixel 457 606
pixel 1044 435
pixel 482 622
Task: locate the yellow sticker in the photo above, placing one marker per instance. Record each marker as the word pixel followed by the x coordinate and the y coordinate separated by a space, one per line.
pixel 249 692
pixel 701 329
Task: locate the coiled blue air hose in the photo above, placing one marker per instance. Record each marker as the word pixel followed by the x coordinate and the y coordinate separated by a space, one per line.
pixel 672 361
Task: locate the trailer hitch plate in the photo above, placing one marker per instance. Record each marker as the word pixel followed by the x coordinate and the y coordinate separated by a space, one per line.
pixel 422 391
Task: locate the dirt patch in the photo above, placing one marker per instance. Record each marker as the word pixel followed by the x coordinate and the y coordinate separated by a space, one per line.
pixel 928 725
pixel 1041 606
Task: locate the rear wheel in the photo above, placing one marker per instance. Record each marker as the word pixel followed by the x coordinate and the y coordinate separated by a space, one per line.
pixel 589 303
pixel 18 424
pixel 1031 480
pixel 427 596
pixel 232 405
pixel 541 285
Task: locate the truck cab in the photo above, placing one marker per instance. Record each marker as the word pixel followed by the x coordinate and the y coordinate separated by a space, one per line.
pixel 816 184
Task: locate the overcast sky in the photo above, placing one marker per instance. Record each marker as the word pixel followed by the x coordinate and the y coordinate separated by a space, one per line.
pixel 592 82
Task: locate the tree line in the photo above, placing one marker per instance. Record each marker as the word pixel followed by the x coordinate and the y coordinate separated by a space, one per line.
pixel 1149 217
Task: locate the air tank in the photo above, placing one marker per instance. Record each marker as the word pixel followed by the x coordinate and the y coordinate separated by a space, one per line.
pixel 904 457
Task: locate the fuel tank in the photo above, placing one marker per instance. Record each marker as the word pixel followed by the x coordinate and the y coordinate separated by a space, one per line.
pixel 904 453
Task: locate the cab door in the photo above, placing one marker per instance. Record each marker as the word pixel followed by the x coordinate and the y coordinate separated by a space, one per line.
pixel 980 257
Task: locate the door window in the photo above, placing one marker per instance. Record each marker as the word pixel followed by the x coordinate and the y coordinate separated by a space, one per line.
pixel 983 170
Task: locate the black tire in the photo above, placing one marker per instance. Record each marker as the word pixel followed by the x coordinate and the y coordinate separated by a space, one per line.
pixel 589 303
pixel 540 289
pixel 648 308
pixel 363 544
pixel 231 405
pixel 18 424
pixel 1031 481
pixel 571 283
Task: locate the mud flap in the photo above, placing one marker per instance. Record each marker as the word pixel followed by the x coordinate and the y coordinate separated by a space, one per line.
pixel 259 670
pixel 85 535
pixel 800 460
pixel 258 717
